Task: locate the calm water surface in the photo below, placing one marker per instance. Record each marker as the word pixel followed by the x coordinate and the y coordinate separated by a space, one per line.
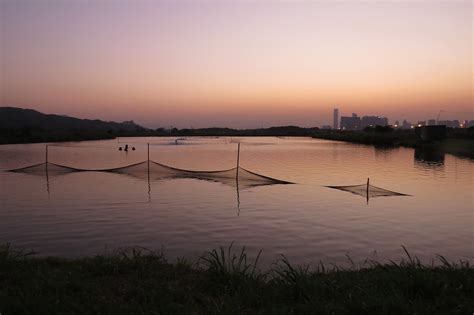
pixel 87 213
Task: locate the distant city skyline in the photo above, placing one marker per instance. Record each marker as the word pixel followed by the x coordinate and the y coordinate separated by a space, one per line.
pixel 356 122
pixel 236 64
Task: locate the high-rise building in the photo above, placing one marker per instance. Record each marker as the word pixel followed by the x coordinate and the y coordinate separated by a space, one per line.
pixel 372 121
pixel 336 118
pixel 449 123
pixel 350 123
pixel 431 122
pixel 406 124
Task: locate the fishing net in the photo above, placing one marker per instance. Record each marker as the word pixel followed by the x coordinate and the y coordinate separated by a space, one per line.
pixel 367 191
pixel 46 169
pixel 150 170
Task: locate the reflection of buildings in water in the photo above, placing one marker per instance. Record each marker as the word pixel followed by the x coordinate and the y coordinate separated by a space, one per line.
pixel 384 153
pixel 335 151
pixel 429 158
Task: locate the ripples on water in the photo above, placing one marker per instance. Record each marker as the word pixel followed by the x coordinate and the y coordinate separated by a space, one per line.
pixel 87 213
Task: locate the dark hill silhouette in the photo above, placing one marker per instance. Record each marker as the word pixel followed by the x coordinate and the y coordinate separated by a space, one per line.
pixel 15 118
pixel 18 125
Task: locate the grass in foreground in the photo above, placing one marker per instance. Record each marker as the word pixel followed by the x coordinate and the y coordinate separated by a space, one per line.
pixel 138 281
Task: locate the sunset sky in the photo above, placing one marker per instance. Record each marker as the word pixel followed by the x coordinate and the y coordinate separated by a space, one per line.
pixel 237 63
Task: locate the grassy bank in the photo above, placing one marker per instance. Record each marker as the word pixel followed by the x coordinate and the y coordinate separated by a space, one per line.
pixel 224 281
pixel 455 144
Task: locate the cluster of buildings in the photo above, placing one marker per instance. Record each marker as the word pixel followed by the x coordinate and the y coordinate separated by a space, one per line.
pixel 355 122
pixel 432 122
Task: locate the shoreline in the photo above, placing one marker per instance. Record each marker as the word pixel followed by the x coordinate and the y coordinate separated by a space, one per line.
pixel 21 137
pixel 460 147
pixel 224 280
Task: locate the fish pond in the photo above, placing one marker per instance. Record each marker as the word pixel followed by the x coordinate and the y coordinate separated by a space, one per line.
pixel 179 205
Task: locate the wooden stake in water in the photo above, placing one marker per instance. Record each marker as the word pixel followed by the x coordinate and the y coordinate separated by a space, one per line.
pixel 46 164
pixel 238 160
pixel 367 192
pixel 148 159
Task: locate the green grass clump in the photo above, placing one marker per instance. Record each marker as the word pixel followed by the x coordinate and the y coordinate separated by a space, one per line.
pixel 226 281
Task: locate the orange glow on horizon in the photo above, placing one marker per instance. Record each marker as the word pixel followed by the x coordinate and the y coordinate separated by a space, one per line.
pixel 239 64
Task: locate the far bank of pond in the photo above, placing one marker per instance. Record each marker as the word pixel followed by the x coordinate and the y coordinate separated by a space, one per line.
pixel 459 143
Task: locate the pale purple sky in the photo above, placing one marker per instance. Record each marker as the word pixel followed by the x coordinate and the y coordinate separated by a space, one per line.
pixel 236 63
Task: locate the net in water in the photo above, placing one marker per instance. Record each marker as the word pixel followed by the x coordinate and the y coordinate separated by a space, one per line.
pixel 232 177
pixel 150 170
pixel 368 191
pixel 46 168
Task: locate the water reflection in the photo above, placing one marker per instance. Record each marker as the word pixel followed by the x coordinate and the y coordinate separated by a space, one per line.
pixel 383 152
pixel 47 183
pixel 237 182
pixel 89 210
pixel 429 158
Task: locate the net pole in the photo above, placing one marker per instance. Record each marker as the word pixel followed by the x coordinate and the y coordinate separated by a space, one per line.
pixel 238 198
pixel 46 169
pixel 148 160
pixel 46 158
pixel 367 191
pixel 238 160
pixel 148 171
